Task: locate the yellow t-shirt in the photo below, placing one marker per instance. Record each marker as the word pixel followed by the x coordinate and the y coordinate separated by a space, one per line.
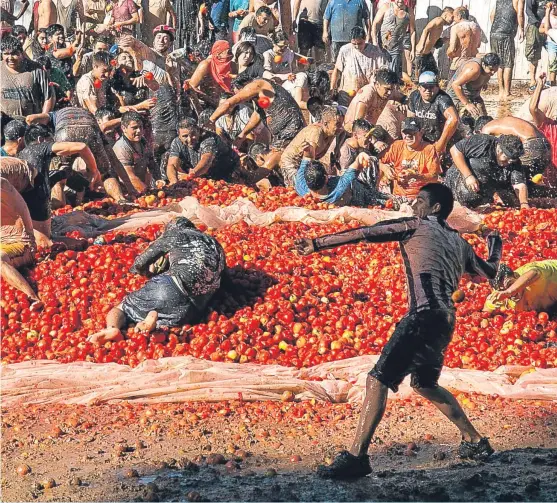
pixel 542 294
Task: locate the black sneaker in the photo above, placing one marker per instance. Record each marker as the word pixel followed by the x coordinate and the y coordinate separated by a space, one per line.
pixel 478 451
pixel 346 466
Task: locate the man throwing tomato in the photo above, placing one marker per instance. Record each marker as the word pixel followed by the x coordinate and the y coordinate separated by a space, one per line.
pixel 435 258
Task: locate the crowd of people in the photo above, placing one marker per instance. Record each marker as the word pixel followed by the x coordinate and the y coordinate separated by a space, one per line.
pixel 115 99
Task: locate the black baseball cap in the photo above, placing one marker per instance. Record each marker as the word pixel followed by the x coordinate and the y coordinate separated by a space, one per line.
pixel 411 125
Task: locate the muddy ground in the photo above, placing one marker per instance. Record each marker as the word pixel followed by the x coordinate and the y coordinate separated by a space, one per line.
pixel 168 453
pixel 165 453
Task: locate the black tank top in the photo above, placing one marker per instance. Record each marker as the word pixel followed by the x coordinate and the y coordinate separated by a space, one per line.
pixel 505 23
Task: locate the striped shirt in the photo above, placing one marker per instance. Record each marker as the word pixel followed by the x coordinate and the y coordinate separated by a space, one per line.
pixel 435 256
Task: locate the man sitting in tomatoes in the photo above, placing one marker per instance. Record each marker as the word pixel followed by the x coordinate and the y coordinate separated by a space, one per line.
pixel 193 263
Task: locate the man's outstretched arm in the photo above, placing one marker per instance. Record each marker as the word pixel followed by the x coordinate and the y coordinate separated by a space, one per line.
pixel 399 229
pixel 487 268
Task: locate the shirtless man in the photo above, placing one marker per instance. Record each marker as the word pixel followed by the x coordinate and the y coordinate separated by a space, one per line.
pixel 429 41
pixel 17 246
pixel 537 149
pixel 319 136
pixel 467 83
pixel 372 99
pixel 465 41
pixel 47 14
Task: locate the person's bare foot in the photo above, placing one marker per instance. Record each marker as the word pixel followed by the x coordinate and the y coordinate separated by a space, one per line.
pixel 108 334
pixel 149 323
pixel 71 243
pixel 36 305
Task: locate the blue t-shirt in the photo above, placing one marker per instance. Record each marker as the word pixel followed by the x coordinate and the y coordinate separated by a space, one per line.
pixel 238 5
pixel 3 153
pixel 343 15
pixel 219 13
pixel 337 185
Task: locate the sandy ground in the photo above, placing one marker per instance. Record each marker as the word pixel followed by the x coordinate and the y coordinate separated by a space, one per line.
pixel 165 453
pixel 172 452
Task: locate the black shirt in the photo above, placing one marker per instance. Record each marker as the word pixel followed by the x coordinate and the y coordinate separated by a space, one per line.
pixel 431 114
pixel 255 70
pixel 196 260
pixel 38 156
pixel 505 23
pixel 535 10
pixel 481 147
pixel 224 163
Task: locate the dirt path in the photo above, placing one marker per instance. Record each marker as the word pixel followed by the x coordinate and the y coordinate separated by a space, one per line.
pixel 91 453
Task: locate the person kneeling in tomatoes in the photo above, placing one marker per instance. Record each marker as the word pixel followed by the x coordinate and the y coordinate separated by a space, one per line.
pixel 435 258
pixel 193 264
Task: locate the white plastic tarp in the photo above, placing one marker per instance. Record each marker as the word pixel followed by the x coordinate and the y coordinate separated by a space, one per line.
pixel 185 378
pixel 217 217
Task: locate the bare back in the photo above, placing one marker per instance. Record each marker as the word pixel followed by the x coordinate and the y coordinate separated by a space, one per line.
pixel 512 125
pixel 466 37
pixel 47 13
pixel 430 36
pixel 16 225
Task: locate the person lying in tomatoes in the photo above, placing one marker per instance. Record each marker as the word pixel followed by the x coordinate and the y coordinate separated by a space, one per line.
pixel 532 287
pixel 188 266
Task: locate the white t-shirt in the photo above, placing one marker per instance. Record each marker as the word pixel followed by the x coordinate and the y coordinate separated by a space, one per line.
pixel 358 67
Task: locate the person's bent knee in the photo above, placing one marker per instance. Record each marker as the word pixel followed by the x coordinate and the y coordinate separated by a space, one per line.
pixel 377 377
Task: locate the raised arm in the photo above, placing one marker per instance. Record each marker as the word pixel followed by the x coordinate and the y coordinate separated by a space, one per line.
pixel 538 117
pixel 249 92
pixel 486 268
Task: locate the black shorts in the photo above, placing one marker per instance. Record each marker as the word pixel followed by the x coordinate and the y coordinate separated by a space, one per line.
pixel 423 63
pixel 417 347
pixel 504 48
pixel 161 294
pixel 309 35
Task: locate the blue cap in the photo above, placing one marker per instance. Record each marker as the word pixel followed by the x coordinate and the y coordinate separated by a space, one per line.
pixel 114 49
pixel 428 78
